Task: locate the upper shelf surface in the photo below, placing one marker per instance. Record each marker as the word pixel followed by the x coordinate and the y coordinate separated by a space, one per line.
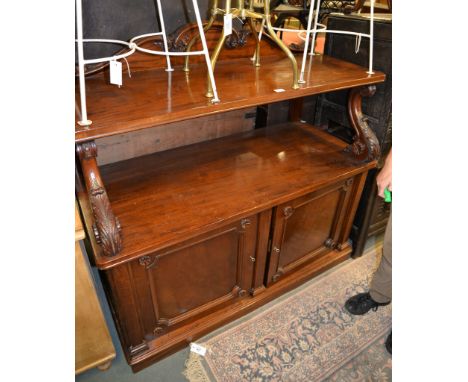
pixel 156 97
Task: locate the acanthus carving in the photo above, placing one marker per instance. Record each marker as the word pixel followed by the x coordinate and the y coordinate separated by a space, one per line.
pixel 237 38
pixel 106 227
pixel 365 145
pixel 178 41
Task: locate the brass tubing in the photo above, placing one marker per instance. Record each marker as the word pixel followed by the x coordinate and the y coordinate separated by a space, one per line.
pixel 192 41
pixel 217 50
pixel 257 47
pixel 281 44
pixel 240 3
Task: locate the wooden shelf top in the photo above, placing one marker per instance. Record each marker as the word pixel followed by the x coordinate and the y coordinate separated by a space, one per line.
pixel 180 193
pixel 155 97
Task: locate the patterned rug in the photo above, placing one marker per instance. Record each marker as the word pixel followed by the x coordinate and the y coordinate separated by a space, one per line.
pixel 306 335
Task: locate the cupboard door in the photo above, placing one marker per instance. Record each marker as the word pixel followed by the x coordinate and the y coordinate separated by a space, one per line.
pixel 195 277
pixel 306 228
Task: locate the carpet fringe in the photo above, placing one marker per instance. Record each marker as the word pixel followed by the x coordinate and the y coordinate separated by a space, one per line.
pixel 194 370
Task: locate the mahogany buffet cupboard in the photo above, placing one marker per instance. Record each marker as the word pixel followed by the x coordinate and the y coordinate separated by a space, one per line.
pixel 190 238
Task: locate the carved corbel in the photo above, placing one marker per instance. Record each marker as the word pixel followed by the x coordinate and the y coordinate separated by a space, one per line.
pixel 106 227
pixel 365 145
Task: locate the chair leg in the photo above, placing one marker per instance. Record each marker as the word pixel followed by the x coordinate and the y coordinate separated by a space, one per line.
pixel 303 21
pixel 279 23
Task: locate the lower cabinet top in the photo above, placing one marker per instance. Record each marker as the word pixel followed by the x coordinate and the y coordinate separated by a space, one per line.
pixel 164 198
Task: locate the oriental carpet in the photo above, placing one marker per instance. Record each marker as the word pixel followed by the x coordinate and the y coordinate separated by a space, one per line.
pixel 306 335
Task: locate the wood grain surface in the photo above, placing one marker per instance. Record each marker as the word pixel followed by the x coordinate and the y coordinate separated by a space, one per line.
pixel 155 97
pixel 165 197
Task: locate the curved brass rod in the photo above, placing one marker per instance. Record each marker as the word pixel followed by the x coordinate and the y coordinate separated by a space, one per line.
pixel 281 44
pixel 214 12
pixel 257 39
pixel 217 50
pixel 214 58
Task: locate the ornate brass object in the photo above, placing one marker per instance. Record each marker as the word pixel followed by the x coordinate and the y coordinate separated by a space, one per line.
pixel 251 11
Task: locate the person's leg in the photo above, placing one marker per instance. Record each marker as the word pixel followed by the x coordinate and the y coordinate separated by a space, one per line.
pixel 380 293
pixel 381 286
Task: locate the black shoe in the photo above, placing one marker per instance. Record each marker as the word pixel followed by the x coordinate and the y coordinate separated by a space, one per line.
pixel 388 343
pixel 362 303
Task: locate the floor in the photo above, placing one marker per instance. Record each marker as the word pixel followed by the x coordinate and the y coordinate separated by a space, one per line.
pixel 167 370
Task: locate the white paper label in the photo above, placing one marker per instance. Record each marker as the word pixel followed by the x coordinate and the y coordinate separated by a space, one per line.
pixel 279 90
pixel 228 24
pixel 115 72
pixel 198 349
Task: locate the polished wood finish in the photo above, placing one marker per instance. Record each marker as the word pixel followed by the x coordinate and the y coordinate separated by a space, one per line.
pixel 306 228
pixel 156 294
pixel 143 142
pixel 93 344
pixel 154 97
pixel 198 225
pixel 364 147
pixel 106 227
pixel 182 336
pixel 163 198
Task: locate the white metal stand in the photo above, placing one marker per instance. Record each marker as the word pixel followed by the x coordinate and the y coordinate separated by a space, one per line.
pixel 320 28
pixel 133 46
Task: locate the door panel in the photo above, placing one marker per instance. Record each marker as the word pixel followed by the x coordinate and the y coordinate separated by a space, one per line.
pixel 200 275
pixel 306 228
pixel 193 276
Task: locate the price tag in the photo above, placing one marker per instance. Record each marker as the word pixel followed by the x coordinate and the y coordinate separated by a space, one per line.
pixel 115 72
pixel 228 24
pixel 198 349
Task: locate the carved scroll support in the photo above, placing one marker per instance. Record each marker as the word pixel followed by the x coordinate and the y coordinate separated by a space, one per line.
pixel 106 227
pixel 365 146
